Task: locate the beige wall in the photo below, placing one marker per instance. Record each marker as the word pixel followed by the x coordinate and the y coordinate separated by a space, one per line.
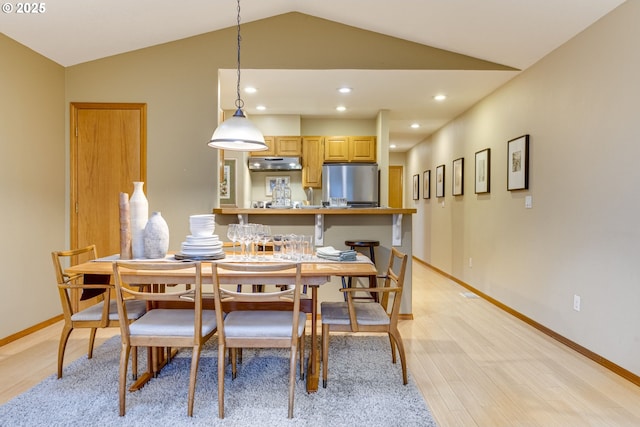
pixel 32 177
pixel 580 106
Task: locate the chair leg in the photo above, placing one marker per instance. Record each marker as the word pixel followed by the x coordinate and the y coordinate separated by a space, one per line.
pixel 325 354
pixel 301 345
pixel 234 366
pixel 134 363
pixel 195 358
pixel 124 360
pixel 64 338
pixel 92 339
pixel 392 344
pixel 221 369
pixel 403 359
pixel 292 375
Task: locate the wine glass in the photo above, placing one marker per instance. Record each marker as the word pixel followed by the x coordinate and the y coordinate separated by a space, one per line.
pixel 266 236
pixel 232 234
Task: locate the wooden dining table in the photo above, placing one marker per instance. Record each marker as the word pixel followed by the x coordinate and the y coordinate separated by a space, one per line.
pixel 315 272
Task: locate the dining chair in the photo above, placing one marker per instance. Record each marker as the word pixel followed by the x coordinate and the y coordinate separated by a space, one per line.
pixel 355 316
pixel 94 293
pixel 161 325
pixel 252 323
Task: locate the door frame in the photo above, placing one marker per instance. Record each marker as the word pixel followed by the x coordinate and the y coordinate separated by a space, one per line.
pixel 73 152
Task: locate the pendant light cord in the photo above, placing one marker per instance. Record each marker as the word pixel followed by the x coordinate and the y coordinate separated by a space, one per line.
pixel 239 101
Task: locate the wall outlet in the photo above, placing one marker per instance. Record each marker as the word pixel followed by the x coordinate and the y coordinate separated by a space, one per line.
pixel 528 202
pixel 576 302
pixel 470 262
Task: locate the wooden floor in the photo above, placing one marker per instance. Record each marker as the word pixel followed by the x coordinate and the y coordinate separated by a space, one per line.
pixel 475 365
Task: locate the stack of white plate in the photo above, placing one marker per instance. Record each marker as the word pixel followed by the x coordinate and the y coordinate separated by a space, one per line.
pixel 202 245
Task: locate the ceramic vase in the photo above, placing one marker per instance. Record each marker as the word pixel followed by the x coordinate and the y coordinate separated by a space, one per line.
pixel 139 212
pixel 156 237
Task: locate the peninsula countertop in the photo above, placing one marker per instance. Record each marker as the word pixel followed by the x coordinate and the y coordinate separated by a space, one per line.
pixel 314 211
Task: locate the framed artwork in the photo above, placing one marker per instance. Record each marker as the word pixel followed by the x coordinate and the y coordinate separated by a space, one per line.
pixel 271 181
pixel 518 163
pixel 483 171
pixel 440 181
pixel 458 177
pixel 416 187
pixel 426 184
pixel 228 183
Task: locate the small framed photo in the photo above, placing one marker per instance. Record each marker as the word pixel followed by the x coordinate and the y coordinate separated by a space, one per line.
pixel 416 187
pixel 440 181
pixel 518 163
pixel 426 184
pixel 458 177
pixel 272 181
pixel 228 183
pixel 483 171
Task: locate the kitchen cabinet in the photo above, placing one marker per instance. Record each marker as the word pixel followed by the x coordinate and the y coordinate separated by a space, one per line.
pixel 286 146
pixel 350 149
pixel 312 159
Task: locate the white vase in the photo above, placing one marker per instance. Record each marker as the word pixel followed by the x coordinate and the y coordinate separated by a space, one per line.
pixel 156 237
pixel 139 212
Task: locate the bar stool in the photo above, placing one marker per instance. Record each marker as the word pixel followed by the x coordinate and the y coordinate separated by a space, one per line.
pixel 362 243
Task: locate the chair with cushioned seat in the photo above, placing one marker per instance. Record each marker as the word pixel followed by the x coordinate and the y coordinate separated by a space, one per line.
pixel 358 316
pixel 103 313
pixel 163 326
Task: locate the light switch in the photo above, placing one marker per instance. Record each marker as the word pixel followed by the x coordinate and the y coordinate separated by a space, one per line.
pixel 528 202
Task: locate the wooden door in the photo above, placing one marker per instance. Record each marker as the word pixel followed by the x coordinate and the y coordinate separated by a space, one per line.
pixel 395 186
pixel 108 153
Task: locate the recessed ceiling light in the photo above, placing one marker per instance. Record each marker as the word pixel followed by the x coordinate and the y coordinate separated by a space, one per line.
pixel 440 97
pixel 392 146
pixel 250 89
pixel 415 125
pixel 341 108
pixel 344 90
pixel 261 107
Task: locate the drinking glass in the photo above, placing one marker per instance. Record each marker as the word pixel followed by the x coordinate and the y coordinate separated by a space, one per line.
pixel 232 234
pixel 277 246
pixel 307 247
pixel 247 238
pixel 288 246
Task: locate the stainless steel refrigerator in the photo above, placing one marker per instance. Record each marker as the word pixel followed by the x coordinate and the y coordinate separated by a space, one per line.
pixel 357 182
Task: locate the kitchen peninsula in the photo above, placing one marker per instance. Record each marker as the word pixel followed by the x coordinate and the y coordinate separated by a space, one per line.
pixel 331 227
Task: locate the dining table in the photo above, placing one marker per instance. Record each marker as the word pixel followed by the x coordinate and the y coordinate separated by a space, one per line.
pixel 315 272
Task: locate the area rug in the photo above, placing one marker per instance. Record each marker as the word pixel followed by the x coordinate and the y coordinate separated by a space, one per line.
pixel 364 389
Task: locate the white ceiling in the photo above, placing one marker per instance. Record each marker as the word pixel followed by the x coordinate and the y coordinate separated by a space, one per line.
pixel 516 33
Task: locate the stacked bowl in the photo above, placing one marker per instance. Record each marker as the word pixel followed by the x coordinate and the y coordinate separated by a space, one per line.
pixel 202 243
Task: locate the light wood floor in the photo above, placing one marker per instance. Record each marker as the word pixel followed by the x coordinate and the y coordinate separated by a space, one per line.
pixel 475 365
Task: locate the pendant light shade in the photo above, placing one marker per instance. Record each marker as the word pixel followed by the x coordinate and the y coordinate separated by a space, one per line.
pixel 237 133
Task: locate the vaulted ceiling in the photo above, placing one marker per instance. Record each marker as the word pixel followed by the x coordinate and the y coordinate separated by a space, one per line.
pixel 507 35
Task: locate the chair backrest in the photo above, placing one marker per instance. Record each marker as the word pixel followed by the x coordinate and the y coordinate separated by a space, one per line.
pixel 75 284
pixel 394 278
pixel 148 273
pixel 288 273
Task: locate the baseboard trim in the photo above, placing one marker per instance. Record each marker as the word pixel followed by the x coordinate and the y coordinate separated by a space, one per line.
pixel 617 369
pixel 30 330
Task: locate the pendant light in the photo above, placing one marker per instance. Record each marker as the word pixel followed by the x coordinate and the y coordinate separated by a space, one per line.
pixel 237 133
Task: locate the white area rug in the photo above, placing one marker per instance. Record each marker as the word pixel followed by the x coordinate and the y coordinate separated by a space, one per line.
pixel 364 389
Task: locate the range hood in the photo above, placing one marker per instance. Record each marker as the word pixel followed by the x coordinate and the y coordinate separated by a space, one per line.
pixel 274 163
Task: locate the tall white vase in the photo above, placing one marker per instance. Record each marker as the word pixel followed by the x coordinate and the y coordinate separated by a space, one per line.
pixel 139 209
pixel 156 237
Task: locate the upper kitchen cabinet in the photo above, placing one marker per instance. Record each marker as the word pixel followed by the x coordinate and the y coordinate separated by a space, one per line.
pixel 286 146
pixel 350 149
pixel 312 159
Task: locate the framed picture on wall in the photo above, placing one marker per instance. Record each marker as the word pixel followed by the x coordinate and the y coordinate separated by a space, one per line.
pixel 416 187
pixel 426 184
pixel 440 181
pixel 271 181
pixel 228 183
pixel 483 171
pixel 518 163
pixel 458 177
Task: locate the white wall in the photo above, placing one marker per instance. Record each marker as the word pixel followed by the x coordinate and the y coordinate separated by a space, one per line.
pixel 580 107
